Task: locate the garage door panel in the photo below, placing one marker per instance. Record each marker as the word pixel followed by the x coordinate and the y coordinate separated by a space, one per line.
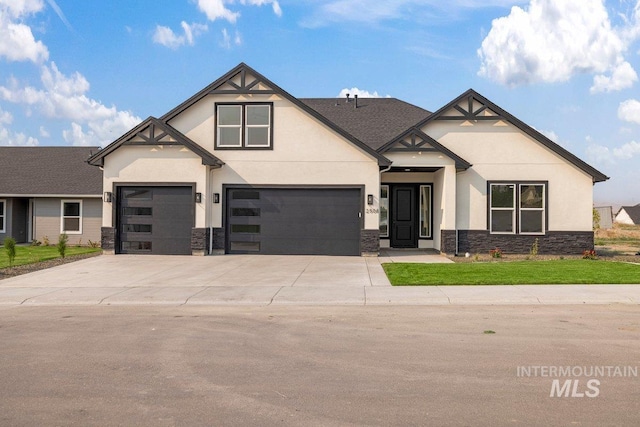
pixel 295 221
pixel 155 219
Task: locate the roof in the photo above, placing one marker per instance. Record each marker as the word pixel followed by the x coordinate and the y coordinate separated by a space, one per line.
pixel 633 212
pixel 501 114
pixel 48 171
pixel 375 121
pixel 155 132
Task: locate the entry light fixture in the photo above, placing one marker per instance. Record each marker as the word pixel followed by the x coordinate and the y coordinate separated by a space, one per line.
pixel 198 197
pixel 370 199
pixel 107 196
pixel 216 197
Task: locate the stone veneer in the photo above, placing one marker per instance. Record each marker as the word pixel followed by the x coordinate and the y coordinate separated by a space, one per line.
pixel 481 241
pixel 369 242
pixel 199 241
pixel 108 240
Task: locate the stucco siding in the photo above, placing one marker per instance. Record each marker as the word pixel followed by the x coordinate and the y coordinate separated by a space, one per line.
pixel 501 152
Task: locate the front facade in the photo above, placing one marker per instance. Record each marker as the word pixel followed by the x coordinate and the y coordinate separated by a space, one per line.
pixel 244 167
pixel 48 191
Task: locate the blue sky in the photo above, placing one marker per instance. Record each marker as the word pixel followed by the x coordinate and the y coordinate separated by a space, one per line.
pixel 83 73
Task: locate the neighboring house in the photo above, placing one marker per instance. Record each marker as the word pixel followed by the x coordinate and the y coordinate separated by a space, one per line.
pixel 244 167
pixel 47 191
pixel 629 215
pixel 606 217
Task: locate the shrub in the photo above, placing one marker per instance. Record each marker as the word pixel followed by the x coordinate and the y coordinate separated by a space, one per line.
pixel 10 247
pixel 496 253
pixel 534 248
pixel 62 244
pixel 93 244
pixel 589 254
pixel 45 241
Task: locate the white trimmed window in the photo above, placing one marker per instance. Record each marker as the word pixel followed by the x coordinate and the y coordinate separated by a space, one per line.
pixel 243 126
pixel 71 218
pixel 3 216
pixel 517 207
pixel 425 211
pixel 384 211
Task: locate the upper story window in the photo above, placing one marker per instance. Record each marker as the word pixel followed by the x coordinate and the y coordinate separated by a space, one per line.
pixel 243 126
pixel 517 207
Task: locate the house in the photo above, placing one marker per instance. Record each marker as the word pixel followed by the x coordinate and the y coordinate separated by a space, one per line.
pixel 242 166
pixel 628 215
pixel 47 191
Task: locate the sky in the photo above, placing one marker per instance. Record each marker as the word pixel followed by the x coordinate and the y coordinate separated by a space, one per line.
pixel 84 73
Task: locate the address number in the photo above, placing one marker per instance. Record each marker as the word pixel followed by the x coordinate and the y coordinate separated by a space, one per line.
pixel 373 211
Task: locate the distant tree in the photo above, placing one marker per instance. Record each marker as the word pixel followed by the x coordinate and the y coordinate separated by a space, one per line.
pixel 596 219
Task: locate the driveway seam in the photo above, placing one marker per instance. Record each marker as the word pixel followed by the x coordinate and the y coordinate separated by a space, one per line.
pixel 301 273
pixel 275 295
pixel 199 292
pixel 46 293
pixel 117 293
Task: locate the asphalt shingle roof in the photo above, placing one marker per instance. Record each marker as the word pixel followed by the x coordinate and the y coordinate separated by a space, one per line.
pixel 48 171
pixel 633 212
pixel 375 122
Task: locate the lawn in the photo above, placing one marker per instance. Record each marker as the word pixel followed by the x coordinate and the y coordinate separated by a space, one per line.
pixel 33 254
pixel 513 273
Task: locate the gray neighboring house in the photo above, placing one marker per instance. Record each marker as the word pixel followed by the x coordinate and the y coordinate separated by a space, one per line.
pixel 606 217
pixel 47 191
pixel 629 215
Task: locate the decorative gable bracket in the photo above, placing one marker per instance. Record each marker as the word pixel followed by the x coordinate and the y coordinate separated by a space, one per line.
pixel 242 82
pixel 471 109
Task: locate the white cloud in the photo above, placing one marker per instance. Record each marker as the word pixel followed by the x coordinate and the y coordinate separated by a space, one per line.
pixel 7 137
pixel 166 37
pixel 5 117
pixel 623 76
pixel 550 41
pixel 360 92
pixel 599 154
pixel 64 97
pixel 17 42
pixel 629 111
pixel 44 132
pixel 226 39
pixel 216 9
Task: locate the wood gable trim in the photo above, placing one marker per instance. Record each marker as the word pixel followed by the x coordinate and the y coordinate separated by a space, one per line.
pixel 414 140
pixel 154 132
pixel 491 111
pixel 243 79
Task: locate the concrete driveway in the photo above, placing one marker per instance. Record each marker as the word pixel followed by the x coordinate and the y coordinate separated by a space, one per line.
pixel 272 280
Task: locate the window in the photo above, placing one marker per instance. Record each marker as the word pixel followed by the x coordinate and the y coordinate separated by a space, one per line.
pixel 2 215
pixel 425 211
pixel 243 126
pixel 71 221
pixel 517 208
pixel 384 211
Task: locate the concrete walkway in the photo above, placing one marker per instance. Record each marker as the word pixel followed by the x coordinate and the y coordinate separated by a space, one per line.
pixel 271 280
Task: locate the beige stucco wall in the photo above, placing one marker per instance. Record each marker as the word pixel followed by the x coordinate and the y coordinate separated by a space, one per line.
pixel 47 220
pixel 155 165
pixel 305 152
pixel 500 151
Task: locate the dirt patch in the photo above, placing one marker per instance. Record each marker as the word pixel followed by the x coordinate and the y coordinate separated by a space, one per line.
pixel 29 268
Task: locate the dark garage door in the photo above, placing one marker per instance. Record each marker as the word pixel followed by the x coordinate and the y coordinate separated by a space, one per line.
pixel 323 221
pixel 155 220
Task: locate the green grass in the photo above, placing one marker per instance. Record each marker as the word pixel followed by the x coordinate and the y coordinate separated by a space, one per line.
pixel 513 273
pixel 33 254
pixel 605 241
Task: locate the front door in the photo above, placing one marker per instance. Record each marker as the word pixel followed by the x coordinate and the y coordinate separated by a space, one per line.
pixel 403 217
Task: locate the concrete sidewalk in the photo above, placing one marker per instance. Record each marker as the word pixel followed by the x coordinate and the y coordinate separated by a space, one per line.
pixel 269 280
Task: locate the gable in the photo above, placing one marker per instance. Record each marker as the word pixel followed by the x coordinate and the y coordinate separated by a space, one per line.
pixel 414 140
pixel 153 132
pixel 471 107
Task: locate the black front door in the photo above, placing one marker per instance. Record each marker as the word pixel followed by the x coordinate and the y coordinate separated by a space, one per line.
pixel 403 217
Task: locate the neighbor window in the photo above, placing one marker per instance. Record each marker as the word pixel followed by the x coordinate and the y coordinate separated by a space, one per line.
pixel 2 215
pixel 243 126
pixel 517 208
pixel 384 211
pixel 71 221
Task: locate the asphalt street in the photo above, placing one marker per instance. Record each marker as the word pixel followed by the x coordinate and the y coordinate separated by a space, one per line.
pixel 317 365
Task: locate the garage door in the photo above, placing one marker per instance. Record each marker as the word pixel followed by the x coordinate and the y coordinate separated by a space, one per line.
pixel 294 221
pixel 155 220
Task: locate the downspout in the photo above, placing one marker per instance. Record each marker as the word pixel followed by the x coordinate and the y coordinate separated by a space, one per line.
pixel 210 206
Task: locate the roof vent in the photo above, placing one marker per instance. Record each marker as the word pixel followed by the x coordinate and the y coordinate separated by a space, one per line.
pixel 348 98
pixel 356 98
